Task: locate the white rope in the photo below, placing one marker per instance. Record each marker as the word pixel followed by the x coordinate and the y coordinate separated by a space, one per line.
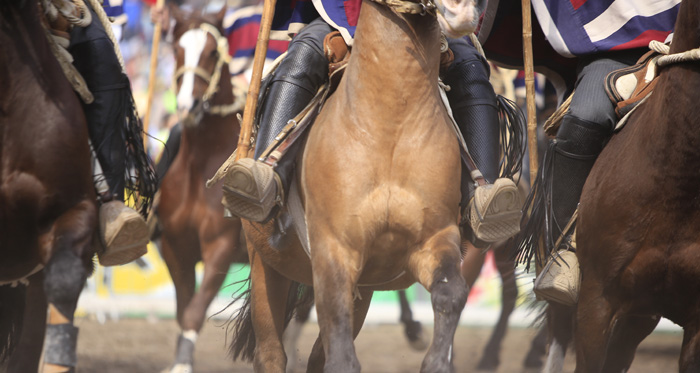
pixel 687 56
pixel 102 16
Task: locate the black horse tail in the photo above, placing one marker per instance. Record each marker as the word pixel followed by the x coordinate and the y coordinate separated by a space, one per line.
pixel 513 126
pixel 240 325
pixel 11 316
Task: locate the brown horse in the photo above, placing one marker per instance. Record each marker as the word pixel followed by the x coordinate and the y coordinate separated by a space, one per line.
pixel 48 211
pixel 637 235
pixel 380 181
pixel 191 216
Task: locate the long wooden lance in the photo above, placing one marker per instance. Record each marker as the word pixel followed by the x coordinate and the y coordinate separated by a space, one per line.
pixel 251 102
pixel 531 108
pixel 530 90
pixel 157 30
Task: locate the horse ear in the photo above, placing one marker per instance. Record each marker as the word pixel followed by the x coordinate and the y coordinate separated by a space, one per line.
pixel 220 16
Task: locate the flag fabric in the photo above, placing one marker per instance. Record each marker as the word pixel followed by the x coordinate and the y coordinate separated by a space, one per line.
pixel 242 26
pixel 579 27
pixel 115 10
pixel 292 15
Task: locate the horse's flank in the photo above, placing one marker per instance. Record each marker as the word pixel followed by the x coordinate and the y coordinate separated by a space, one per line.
pixel 40 118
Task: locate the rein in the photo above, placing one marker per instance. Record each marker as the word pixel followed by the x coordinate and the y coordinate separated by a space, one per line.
pixel 213 78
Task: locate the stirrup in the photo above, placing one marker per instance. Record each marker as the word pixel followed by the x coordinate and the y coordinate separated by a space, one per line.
pixel 123 234
pixel 251 190
pixel 560 279
pixel 496 211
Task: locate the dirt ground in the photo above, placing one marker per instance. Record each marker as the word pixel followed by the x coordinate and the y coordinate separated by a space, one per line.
pixel 139 345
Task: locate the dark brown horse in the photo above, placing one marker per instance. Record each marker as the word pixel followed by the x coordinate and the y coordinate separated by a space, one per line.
pixel 48 212
pixel 191 216
pixel 379 181
pixel 638 241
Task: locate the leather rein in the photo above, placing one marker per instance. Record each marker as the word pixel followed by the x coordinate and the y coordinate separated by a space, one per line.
pixel 212 79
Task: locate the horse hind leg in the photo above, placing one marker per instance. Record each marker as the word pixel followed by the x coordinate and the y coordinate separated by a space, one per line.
pixel 560 324
pixel 411 328
pixel 509 294
pixel 437 268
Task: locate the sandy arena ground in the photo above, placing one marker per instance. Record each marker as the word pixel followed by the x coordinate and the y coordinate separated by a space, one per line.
pixel 139 345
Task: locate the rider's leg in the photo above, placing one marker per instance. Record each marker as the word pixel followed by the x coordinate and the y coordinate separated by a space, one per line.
pixel 496 205
pixel 123 230
pixel 251 189
pixel 580 139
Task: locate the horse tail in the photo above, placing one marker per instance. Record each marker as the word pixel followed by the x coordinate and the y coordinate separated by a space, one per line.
pixel 12 300
pixel 535 231
pixel 240 325
pixel 512 124
pixel 141 181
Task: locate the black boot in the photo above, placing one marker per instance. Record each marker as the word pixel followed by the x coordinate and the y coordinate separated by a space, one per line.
pixel 495 210
pixel 252 189
pixel 123 231
pixel 572 154
pixel 576 148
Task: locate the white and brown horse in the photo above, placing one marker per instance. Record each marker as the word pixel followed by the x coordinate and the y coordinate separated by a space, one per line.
pixel 191 216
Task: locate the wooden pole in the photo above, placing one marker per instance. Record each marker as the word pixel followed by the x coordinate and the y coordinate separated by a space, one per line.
pixel 530 90
pixel 531 108
pixel 157 30
pixel 251 101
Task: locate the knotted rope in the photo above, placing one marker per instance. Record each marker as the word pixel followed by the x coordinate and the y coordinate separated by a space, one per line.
pixel 687 56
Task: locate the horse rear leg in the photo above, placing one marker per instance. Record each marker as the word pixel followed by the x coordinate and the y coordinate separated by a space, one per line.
pixel 360 308
pixel 28 352
pixel 64 278
pixel 437 268
pixel 509 293
pixel 560 325
pixel 411 328
pixel 293 332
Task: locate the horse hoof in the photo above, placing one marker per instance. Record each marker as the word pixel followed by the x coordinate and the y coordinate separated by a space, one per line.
pixel 488 364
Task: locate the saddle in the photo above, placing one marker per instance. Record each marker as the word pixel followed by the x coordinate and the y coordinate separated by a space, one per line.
pixel 627 87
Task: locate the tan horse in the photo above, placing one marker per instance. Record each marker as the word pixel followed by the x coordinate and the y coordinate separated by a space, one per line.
pixel 380 180
pixel 191 216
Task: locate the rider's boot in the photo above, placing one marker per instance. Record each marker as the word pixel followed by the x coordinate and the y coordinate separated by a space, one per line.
pixel 573 153
pixel 495 210
pixel 123 232
pixel 252 188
